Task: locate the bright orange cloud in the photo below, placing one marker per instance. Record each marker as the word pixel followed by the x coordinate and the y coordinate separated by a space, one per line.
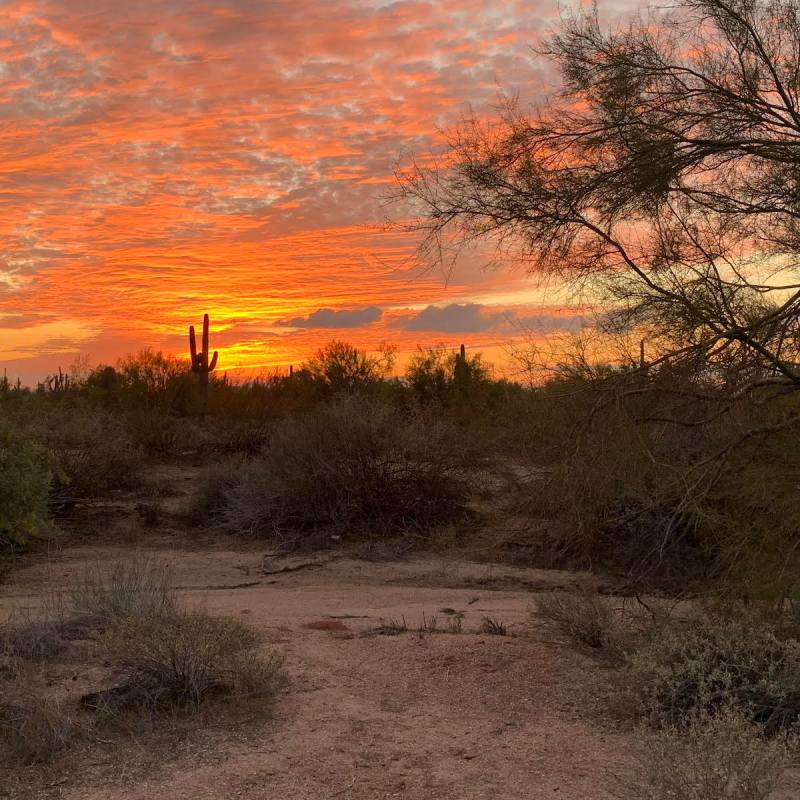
pixel 170 157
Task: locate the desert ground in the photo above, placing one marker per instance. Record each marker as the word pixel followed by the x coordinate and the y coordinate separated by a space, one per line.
pixel 368 712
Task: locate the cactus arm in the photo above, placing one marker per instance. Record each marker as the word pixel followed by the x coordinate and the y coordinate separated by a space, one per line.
pixel 193 346
pixel 213 362
pixel 205 341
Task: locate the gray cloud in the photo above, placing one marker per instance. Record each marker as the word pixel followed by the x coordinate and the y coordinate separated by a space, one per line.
pixel 330 318
pixel 475 318
pixel 455 318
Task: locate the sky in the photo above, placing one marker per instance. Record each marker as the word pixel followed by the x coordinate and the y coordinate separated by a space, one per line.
pixel 166 158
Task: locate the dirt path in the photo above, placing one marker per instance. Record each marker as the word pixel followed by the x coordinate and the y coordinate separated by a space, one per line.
pixel 464 716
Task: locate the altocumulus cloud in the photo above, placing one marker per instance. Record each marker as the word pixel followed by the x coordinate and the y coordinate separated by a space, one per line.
pixel 330 318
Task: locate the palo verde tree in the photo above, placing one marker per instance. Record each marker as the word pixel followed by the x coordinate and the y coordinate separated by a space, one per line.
pixel 663 178
pixel 665 174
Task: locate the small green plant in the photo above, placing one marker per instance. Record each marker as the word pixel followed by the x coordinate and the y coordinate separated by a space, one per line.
pixel 24 486
pixel 493 627
pixel 711 756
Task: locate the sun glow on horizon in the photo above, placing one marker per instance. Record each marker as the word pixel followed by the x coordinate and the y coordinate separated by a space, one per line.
pixel 163 160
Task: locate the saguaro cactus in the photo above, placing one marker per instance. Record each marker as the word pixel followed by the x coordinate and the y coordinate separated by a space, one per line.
pixel 461 370
pixel 200 363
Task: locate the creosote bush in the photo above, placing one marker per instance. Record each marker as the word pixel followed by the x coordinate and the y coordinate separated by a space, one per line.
pixel 355 465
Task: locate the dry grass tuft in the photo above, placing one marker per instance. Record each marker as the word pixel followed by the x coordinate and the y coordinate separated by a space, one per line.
pixel 720 756
pixel 34 728
pixel 493 627
pixel 584 617
pixel 143 587
pixel 184 660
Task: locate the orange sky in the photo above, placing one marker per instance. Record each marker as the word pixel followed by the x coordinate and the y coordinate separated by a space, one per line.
pixel 162 158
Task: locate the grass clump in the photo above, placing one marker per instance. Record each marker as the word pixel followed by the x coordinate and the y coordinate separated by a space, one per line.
pixel 584 617
pixel 493 626
pixel 711 663
pixel 724 755
pixel 184 660
pixel 142 586
pixel 34 728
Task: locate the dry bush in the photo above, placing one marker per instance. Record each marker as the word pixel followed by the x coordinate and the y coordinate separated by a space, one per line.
pixel 354 466
pixel 710 757
pixel 183 660
pixel 141 586
pixel 90 452
pixel 658 478
pixel 584 617
pixel 34 727
pixel 706 665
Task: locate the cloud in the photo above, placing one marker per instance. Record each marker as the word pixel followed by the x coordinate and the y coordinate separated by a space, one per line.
pixel 171 157
pixel 477 318
pixel 454 318
pixel 330 318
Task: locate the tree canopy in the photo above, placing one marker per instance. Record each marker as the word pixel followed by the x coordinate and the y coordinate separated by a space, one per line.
pixel 664 175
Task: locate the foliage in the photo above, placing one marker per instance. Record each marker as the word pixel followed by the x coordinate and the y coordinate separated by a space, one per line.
pixel 353 466
pixel 720 756
pixel 343 368
pixel 90 451
pixel 437 374
pixel 141 586
pixel 24 487
pixel 186 658
pixel 584 617
pixel 713 663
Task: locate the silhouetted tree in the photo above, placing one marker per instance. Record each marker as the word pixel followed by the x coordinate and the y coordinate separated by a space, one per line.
pixel 342 367
pixel 664 177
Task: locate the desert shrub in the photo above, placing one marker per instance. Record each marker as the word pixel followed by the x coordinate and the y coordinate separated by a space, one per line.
pixel 721 756
pixel 440 375
pixel 584 617
pixel 708 664
pixel 183 660
pixel 24 487
pixel 141 586
pixel 341 367
pixel 659 477
pixel 354 466
pixel 32 639
pixel 90 451
pixel 34 727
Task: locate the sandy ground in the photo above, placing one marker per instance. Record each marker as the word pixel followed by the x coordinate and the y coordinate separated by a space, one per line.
pixel 464 716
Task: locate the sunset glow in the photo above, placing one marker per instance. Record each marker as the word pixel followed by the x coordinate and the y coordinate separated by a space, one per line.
pixel 163 159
